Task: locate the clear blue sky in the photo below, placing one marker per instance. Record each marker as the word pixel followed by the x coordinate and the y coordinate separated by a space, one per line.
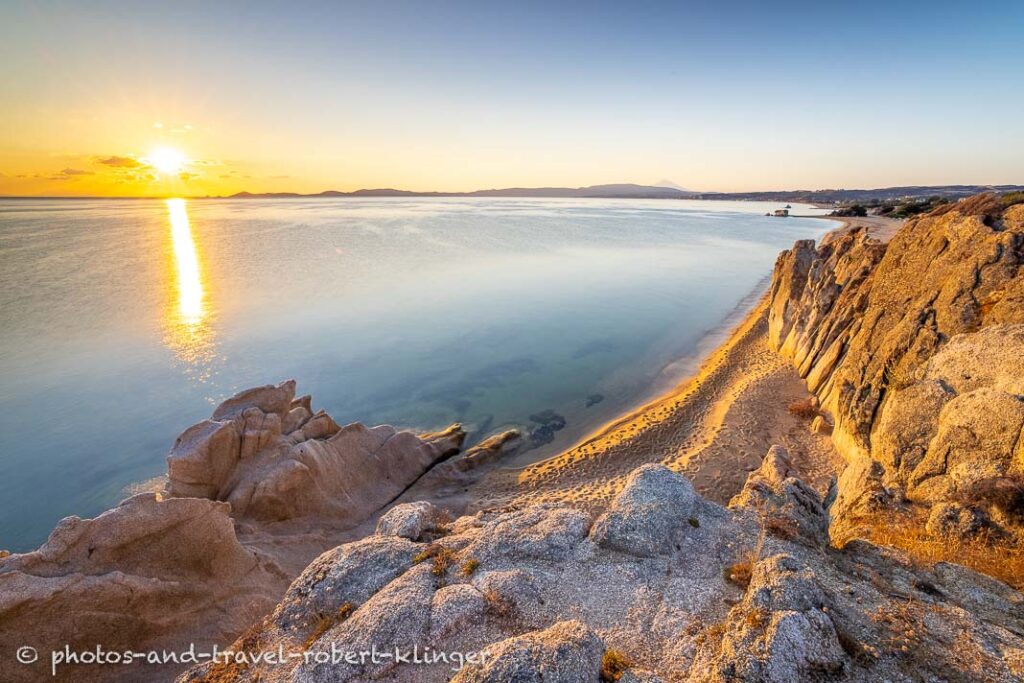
pixel 454 96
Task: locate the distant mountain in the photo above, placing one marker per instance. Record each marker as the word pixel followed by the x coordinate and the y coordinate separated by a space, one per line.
pixel 669 183
pixel 621 191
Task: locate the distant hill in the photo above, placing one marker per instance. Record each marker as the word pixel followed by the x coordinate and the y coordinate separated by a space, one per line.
pixel 620 190
pixel 664 191
pixel 879 194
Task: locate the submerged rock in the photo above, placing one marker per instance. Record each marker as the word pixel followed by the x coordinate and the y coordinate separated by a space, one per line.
pixel 550 422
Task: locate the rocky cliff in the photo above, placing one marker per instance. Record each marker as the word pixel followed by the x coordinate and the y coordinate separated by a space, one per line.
pixel 915 350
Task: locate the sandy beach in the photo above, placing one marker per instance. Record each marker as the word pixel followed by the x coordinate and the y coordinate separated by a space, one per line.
pixel 714 426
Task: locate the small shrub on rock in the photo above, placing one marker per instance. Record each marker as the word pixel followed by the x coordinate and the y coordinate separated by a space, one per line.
pixel 784 528
pixel 498 604
pixel 469 567
pixel 613 665
pixel 805 409
pixel 326 621
pixel 740 573
pixel 1005 494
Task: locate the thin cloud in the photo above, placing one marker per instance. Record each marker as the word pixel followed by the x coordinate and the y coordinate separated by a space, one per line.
pixel 119 162
pixel 68 174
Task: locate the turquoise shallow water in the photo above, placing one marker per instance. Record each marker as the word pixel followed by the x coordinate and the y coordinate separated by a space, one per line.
pixel 122 322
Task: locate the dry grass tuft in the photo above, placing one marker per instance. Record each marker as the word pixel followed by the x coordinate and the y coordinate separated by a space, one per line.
pixel 756 618
pixel 498 604
pixel 784 528
pixel 740 573
pixel 326 621
pixel 804 409
pixel 989 555
pixel 713 632
pixel 469 567
pixel 613 665
pixel 442 558
pixel 985 204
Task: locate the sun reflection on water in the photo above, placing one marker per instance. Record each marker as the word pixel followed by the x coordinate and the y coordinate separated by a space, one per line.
pixel 189 332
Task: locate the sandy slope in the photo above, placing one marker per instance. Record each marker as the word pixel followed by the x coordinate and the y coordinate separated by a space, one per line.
pixel 715 427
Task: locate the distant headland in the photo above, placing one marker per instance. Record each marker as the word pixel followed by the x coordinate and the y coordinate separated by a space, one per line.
pixel 634 191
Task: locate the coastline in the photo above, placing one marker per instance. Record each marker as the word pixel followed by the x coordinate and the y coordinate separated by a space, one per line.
pixel 714 424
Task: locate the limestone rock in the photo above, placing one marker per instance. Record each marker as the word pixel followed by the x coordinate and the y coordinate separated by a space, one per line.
pixel 253 494
pixel 819 425
pixel 350 573
pixel 786 505
pixel 808 613
pixel 455 607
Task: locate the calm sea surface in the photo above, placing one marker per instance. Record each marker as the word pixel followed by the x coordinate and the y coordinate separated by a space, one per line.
pixel 123 322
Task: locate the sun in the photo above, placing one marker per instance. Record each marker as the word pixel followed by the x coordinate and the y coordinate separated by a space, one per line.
pixel 166 160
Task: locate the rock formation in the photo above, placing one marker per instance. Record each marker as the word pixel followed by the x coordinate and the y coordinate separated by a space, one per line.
pixel 915 348
pixel 674 586
pixel 253 494
pixel 267 454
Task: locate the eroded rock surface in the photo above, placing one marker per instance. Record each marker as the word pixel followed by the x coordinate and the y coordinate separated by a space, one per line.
pixel 129 579
pixel 916 348
pixel 242 455
pixel 746 593
pixel 253 494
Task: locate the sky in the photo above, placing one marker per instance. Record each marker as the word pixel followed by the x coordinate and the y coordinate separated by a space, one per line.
pixel 188 98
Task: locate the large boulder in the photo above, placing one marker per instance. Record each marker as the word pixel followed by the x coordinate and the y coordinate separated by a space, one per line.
pixel 412 520
pixel 243 455
pixel 734 601
pixel 649 513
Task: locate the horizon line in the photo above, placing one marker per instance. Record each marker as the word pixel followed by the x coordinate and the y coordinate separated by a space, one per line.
pixel 657 192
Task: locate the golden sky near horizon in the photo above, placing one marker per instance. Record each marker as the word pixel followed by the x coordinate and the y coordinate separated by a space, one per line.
pixel 462 96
